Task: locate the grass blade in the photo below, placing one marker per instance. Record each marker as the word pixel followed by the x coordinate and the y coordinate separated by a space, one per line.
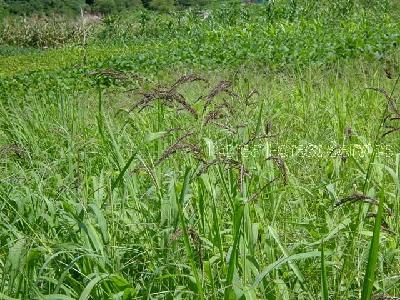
pixel 324 277
pixel 281 261
pixel 292 265
pixel 373 254
pixel 5 297
pixel 89 287
pixel 233 257
pixel 186 234
pixel 115 183
pixel 57 297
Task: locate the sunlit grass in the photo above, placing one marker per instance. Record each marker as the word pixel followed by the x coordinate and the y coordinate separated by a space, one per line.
pixel 89 208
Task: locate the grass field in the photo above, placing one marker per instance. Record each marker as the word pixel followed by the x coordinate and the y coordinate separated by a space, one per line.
pixel 133 170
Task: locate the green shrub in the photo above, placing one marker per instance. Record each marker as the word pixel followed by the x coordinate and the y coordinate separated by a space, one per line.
pixel 162 5
pixel 105 6
pixel 43 7
pixel 3 10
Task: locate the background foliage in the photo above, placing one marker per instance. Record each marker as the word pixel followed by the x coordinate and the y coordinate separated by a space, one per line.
pixel 73 7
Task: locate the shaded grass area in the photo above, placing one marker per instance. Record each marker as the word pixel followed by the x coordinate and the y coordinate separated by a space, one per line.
pixel 218 188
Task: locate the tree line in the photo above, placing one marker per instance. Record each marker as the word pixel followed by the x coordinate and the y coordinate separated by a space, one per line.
pixel 74 7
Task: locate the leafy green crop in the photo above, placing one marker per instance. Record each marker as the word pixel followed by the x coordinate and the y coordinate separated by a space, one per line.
pixel 274 35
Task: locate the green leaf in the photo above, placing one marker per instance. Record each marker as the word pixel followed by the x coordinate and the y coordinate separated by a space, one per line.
pixel 283 260
pixel 369 277
pixel 152 136
pixel 184 191
pixel 57 297
pixel 115 183
pixel 210 148
pixel 5 297
pixel 101 221
pixel 89 287
pixel 324 277
pixel 345 223
pixel 119 281
pixel 16 254
pixel 94 237
pixel 129 294
pixel 292 265
pixel 259 118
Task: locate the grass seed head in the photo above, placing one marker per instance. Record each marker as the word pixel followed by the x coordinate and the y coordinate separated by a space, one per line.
pixel 281 166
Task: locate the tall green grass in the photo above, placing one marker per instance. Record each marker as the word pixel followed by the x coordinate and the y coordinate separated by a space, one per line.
pixel 99 200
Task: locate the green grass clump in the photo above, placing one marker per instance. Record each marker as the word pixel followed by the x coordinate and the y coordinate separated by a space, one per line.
pixel 220 185
pixel 250 155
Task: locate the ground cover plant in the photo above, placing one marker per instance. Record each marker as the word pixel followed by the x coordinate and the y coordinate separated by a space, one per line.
pixel 141 164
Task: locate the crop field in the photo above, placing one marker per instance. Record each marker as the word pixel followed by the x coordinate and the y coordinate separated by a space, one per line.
pixel 252 152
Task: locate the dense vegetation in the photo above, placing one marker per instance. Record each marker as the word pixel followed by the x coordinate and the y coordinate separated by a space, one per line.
pixel 248 153
pixel 272 36
pixel 74 7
